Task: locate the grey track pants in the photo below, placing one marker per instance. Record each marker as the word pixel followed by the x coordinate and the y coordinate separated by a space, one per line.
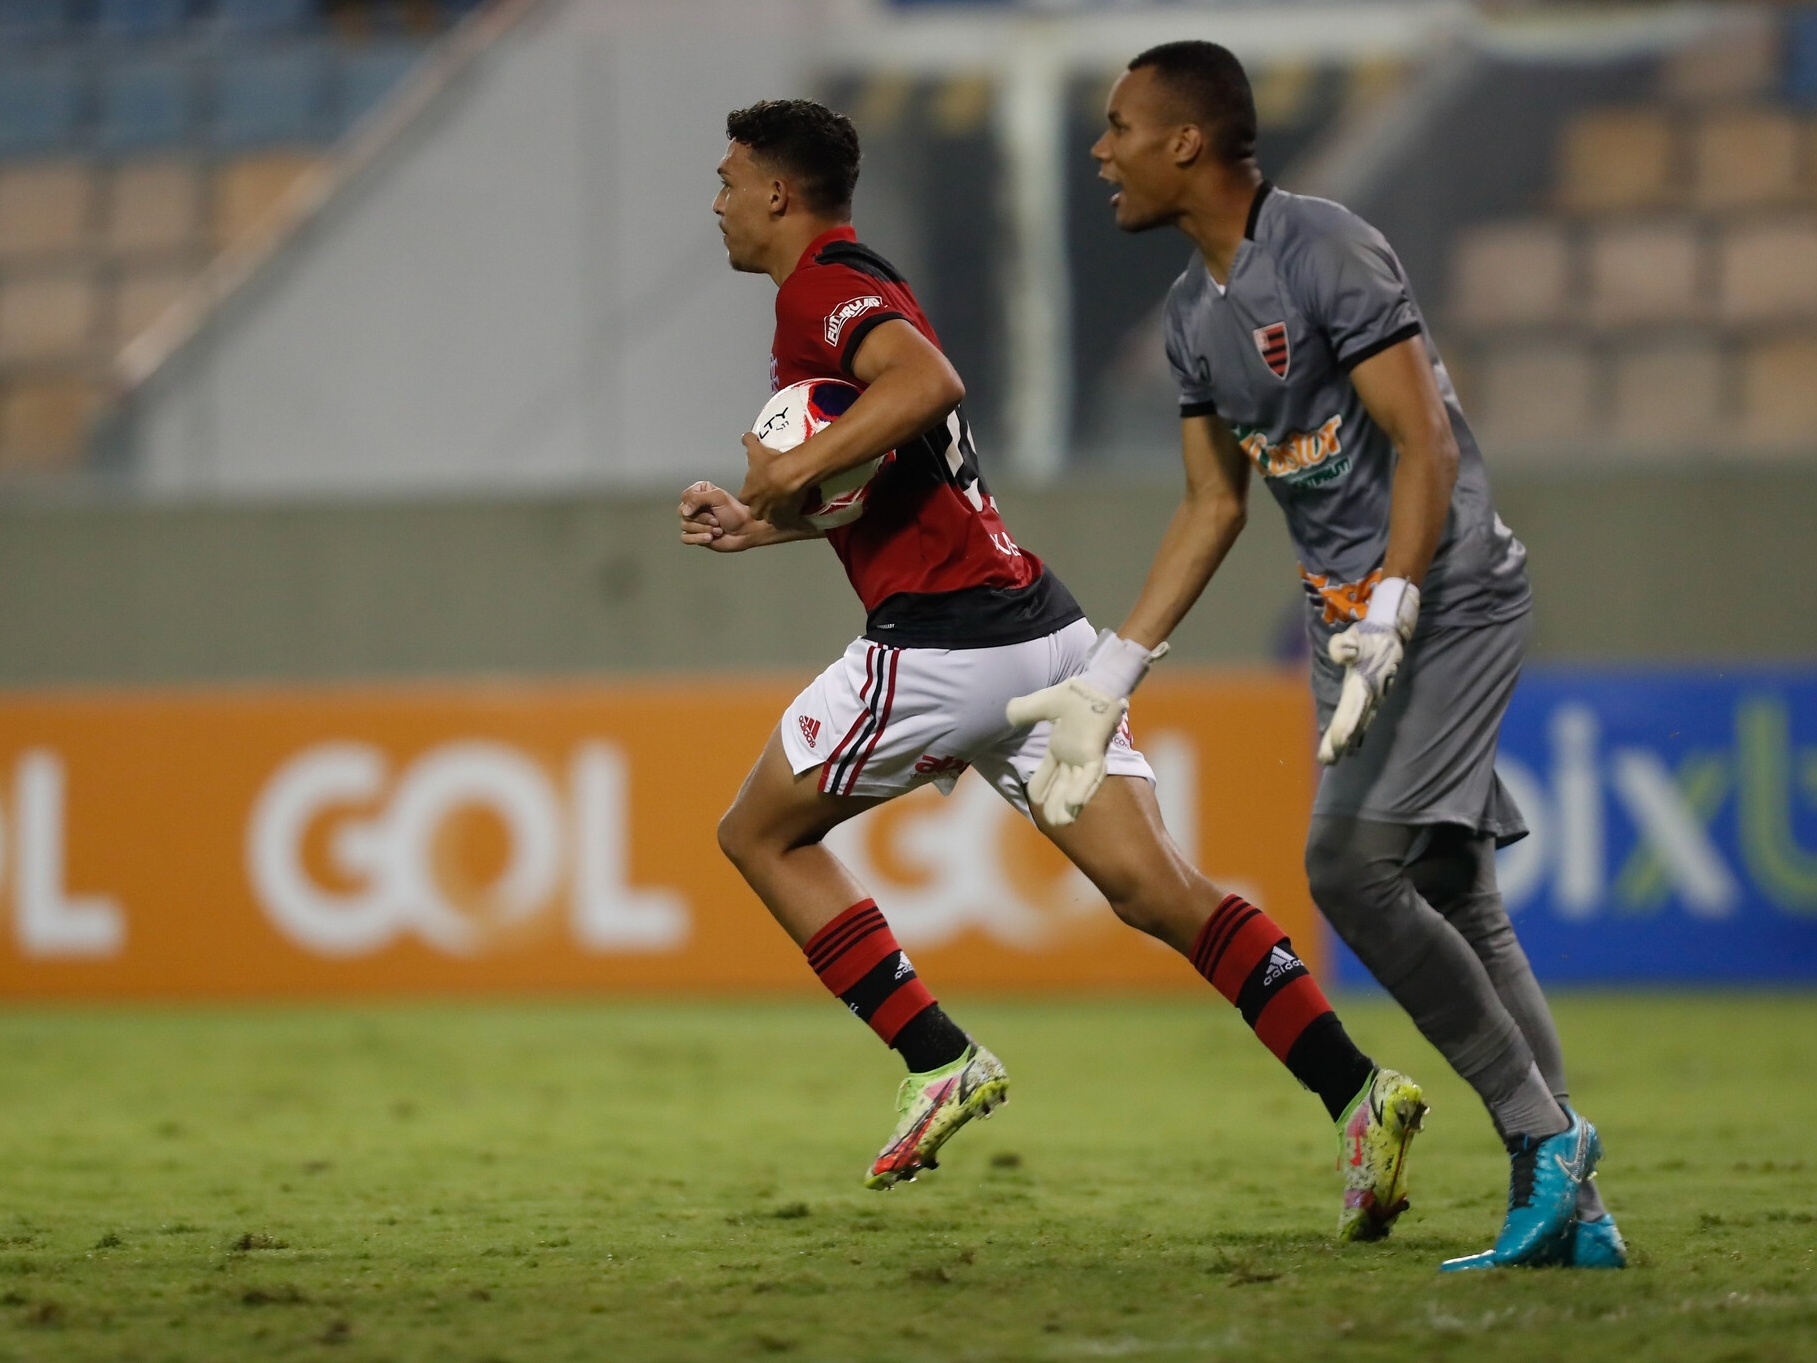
pixel 1419 905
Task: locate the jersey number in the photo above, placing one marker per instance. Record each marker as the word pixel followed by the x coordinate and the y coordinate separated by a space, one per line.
pixel 951 444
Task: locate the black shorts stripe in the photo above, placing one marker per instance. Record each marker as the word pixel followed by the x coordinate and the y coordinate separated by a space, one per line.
pixel 843 766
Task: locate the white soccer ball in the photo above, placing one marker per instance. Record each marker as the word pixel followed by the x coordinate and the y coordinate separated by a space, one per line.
pixel 802 409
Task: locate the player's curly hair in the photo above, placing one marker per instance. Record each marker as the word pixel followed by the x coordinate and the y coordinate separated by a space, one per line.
pixel 812 144
pixel 1210 82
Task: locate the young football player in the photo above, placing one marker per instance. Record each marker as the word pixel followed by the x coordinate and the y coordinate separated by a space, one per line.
pixel 1300 352
pixel 960 620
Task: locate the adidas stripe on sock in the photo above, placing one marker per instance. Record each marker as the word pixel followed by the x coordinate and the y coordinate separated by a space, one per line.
pixel 1250 961
pixel 859 960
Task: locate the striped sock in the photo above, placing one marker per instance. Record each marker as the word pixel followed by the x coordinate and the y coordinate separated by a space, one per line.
pixel 1249 960
pixel 857 957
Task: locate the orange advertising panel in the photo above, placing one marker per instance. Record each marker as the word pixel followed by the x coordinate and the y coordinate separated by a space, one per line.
pixel 525 836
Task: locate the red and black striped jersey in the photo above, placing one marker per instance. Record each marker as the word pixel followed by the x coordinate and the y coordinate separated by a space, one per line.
pixel 931 557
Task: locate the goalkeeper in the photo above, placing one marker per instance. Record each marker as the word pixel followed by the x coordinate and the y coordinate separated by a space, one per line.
pixel 1299 352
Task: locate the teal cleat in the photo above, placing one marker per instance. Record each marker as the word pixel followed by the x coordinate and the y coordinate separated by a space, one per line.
pixel 1542 1200
pixel 1597 1244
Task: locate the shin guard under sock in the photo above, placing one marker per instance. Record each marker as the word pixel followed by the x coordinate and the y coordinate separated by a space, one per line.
pixel 857 957
pixel 1248 959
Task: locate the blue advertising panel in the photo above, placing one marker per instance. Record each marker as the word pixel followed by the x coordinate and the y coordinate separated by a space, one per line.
pixel 1674 818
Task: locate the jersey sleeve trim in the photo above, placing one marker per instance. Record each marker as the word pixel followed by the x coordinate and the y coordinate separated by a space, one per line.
pixel 1374 348
pixel 854 338
pixel 1192 409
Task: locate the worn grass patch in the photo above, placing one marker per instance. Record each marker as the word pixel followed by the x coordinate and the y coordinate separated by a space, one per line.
pixel 681 1182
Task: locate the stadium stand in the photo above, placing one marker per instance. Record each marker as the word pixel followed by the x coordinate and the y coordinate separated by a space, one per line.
pixel 1664 303
pixel 138 138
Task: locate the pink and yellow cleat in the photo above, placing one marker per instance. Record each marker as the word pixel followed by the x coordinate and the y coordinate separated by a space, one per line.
pixel 1374 1135
pixel 931 1107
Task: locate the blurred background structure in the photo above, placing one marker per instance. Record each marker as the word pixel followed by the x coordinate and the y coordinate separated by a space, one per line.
pixel 279 258
pixel 371 339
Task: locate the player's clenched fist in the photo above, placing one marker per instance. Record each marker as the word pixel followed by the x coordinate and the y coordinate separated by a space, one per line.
pixel 1085 711
pixel 1370 652
pixel 714 519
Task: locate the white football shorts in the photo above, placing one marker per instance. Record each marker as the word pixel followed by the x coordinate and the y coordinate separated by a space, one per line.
pixel 881 720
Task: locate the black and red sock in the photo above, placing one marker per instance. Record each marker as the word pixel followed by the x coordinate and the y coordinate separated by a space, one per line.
pixel 858 958
pixel 1250 961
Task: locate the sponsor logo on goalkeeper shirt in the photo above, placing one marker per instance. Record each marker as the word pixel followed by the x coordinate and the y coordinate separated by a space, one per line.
pixel 1303 458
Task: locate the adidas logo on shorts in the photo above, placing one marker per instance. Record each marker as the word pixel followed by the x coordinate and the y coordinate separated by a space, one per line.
pixel 810 729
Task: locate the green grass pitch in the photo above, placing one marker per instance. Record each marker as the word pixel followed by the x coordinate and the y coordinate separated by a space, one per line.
pixel 651 1181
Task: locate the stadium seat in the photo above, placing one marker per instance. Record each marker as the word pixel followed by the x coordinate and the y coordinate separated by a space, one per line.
pixel 1667 395
pixel 1767 271
pixel 1617 159
pixel 264 16
pixel 270 97
pixel 1801 58
pixel 44 423
pixel 47 316
pixel 144 102
pixel 1647 271
pixel 1779 392
pixel 1511 274
pixel 1745 158
pixel 247 189
pixel 40 103
pixel 140 18
pixel 142 296
pixel 1739 61
pixel 46 208
pixel 1536 394
pixel 154 208
pixel 30 21
pixel 364 76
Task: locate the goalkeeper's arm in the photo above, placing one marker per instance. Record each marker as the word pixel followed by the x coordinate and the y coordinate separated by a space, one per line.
pixel 1210 516
pixel 1085 710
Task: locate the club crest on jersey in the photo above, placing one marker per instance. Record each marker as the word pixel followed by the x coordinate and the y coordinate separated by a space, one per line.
pixel 1271 341
pixel 845 312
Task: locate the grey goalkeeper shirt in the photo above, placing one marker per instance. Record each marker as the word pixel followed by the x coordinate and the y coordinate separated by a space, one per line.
pixel 1313 292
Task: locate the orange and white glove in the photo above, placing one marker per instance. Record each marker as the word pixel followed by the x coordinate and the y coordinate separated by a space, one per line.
pixel 1085 711
pixel 1370 652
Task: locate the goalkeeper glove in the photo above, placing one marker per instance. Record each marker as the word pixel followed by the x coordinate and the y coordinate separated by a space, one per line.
pixel 1085 711
pixel 1370 652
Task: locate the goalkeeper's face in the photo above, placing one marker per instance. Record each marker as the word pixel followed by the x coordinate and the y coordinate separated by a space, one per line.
pixel 749 208
pixel 1146 152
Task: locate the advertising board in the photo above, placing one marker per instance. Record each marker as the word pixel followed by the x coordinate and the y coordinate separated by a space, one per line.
pixel 459 838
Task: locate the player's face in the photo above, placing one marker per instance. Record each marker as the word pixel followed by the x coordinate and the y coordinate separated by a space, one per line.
pixel 745 205
pixel 1138 153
